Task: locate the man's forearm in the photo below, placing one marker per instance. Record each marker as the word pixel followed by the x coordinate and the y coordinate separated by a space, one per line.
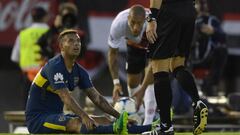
pixel 105 106
pixel 71 103
pixel 102 103
pixel 112 62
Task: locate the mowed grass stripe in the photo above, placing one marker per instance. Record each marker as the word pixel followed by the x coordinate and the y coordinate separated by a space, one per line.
pixel 182 133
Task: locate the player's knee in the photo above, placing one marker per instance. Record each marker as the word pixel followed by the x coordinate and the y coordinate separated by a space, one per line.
pixel 177 70
pixel 134 80
pixel 74 125
pixel 133 85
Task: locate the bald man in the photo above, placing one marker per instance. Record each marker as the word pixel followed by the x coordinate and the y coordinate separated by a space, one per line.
pixel 128 28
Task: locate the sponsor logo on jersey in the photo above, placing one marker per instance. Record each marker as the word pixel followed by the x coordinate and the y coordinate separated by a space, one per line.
pixel 58 78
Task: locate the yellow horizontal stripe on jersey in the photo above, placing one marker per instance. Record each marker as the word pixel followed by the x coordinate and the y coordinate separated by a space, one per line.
pixel 49 88
pixel 54 126
pixel 39 80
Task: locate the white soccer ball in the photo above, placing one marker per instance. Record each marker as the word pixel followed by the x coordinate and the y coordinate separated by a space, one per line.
pixel 128 104
pixel 125 104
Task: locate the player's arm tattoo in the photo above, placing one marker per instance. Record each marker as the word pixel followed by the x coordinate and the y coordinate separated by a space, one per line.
pixel 101 102
pixel 70 102
pixel 112 62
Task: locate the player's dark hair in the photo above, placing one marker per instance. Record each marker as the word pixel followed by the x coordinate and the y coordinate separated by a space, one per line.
pixel 65 32
pixel 38 13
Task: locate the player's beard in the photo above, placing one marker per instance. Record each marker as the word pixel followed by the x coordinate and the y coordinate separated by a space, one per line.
pixel 74 55
pixel 71 55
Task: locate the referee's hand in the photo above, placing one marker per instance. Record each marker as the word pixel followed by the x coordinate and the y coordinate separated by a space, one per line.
pixel 117 92
pixel 139 94
pixel 151 31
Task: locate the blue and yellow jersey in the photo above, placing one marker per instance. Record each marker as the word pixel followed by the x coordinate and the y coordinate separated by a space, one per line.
pixel 53 76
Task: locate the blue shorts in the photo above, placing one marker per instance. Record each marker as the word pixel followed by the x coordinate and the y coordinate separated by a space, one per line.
pixel 48 123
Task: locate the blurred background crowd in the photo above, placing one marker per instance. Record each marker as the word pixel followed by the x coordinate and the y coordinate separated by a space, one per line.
pixel 214 59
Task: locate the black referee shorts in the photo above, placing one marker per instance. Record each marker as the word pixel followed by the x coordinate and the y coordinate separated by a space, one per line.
pixel 175 26
pixel 136 60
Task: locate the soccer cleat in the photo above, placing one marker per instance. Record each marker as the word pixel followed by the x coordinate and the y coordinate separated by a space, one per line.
pixel 153 132
pixel 155 124
pixel 160 130
pixel 200 117
pixel 120 125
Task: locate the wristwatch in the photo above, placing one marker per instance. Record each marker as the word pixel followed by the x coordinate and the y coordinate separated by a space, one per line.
pixel 149 19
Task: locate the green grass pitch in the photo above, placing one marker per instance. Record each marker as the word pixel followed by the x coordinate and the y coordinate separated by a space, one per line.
pixel 208 133
pixel 213 133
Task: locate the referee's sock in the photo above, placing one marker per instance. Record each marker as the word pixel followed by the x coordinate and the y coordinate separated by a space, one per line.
pixel 187 82
pixel 163 95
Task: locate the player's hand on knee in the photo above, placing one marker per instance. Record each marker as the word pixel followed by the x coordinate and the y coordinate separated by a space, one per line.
pixel 151 31
pixel 117 91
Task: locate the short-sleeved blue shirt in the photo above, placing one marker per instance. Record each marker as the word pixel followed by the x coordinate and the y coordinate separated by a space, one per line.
pixel 53 76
